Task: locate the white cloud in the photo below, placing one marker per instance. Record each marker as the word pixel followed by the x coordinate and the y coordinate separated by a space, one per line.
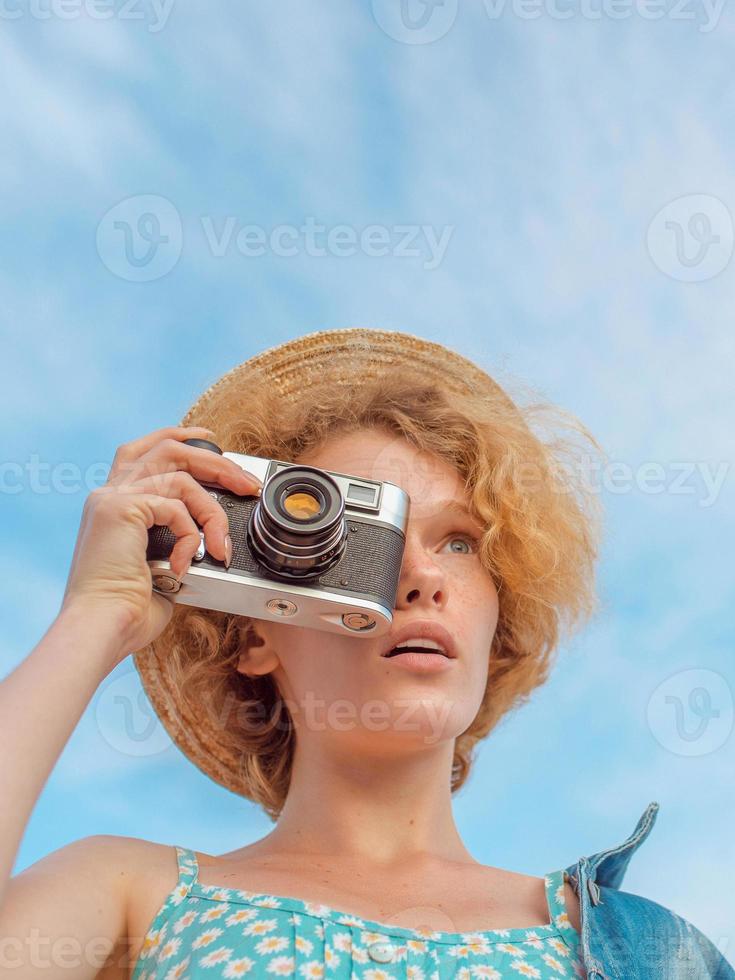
pixel 82 131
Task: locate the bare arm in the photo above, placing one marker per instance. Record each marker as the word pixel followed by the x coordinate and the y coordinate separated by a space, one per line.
pixel 41 702
pixel 62 916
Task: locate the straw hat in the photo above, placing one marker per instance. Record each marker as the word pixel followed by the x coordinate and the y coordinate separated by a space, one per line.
pixel 344 357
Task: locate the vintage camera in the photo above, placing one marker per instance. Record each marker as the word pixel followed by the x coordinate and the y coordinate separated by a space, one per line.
pixel 317 549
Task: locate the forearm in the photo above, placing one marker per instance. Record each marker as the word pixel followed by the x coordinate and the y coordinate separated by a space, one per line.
pixel 41 702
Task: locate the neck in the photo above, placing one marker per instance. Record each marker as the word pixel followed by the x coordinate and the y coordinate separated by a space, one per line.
pixel 391 810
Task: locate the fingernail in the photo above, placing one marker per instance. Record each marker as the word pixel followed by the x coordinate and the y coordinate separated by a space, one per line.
pixel 228 551
pixel 181 575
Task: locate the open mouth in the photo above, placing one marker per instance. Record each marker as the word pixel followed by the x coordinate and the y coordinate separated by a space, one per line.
pixel 421 638
pixel 412 649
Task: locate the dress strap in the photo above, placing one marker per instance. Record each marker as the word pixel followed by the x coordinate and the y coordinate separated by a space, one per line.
pixel 556 899
pixel 188 870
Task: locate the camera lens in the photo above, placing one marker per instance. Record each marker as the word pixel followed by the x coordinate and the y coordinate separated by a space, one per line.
pixel 297 529
pixel 301 505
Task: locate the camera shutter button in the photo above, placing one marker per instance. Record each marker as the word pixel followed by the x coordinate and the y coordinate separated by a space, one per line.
pixel 281 607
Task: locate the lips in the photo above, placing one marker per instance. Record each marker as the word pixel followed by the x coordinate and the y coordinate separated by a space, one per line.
pixel 422 629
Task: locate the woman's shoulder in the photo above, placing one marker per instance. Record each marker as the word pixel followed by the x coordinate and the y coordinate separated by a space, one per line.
pixel 149 871
pixel 150 868
pixel 129 857
pixel 136 866
pixel 101 858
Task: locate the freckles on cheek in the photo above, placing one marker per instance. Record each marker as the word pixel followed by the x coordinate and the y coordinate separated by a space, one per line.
pixel 475 597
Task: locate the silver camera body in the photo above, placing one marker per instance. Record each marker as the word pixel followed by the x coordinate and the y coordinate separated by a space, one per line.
pixel 316 549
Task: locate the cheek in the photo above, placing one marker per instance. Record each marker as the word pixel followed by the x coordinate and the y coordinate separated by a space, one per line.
pixel 319 666
pixel 474 590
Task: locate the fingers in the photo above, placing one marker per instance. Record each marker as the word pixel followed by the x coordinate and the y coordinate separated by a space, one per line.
pixel 129 452
pixel 200 504
pixel 170 453
pixel 201 463
pixel 173 513
pixel 108 505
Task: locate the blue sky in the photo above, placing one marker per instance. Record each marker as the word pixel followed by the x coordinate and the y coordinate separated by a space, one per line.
pixel 548 187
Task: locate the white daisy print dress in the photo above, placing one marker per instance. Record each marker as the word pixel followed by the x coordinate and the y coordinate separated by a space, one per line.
pixel 205 931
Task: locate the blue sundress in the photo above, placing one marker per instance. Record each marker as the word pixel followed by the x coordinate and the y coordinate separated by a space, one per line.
pixel 214 932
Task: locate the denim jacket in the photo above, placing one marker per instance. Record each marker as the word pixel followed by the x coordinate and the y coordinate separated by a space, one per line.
pixel 628 937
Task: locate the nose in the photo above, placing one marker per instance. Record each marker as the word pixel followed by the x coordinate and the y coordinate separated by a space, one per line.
pixel 422 582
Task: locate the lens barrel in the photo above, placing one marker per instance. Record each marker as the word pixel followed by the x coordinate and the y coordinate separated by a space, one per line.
pixel 297 529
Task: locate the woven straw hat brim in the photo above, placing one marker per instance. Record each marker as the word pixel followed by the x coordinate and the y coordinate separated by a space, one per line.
pixel 292 367
pixel 344 357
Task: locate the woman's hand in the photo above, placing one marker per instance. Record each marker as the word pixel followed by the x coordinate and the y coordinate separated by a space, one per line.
pixel 153 480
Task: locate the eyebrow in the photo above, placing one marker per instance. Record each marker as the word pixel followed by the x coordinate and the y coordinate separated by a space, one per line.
pixel 456 507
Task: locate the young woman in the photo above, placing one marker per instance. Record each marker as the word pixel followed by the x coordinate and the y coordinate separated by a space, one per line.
pixel 353 752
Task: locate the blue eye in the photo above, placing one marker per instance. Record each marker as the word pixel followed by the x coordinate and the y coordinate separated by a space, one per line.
pixel 475 542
